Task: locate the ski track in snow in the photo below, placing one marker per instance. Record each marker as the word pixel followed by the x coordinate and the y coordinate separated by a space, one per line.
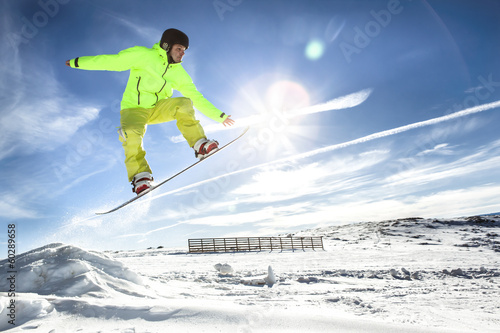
pixel 408 275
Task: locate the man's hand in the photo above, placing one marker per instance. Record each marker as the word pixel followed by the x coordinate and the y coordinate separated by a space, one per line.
pixel 228 121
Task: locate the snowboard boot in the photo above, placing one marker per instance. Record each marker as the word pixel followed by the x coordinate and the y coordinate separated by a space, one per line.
pixel 205 147
pixel 142 182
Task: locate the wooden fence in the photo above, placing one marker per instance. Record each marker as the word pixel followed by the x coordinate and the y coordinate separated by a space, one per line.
pixel 240 244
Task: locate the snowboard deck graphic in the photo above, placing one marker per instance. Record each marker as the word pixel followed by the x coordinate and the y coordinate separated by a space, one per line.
pixel 154 187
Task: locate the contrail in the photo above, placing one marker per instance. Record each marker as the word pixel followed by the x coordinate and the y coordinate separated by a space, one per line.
pixel 397 130
pixel 374 136
pixel 339 103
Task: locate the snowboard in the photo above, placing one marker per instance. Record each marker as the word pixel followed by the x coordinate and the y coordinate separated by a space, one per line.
pixel 154 187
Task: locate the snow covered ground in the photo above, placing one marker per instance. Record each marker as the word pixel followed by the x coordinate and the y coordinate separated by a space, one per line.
pixel 409 275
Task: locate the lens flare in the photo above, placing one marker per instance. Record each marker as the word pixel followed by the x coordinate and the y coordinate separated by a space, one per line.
pixel 315 49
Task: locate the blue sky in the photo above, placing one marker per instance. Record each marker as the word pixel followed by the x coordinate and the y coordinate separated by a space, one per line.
pixel 360 111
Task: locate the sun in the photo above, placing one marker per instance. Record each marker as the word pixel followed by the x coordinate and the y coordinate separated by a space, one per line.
pixel 286 96
pixel 274 103
pixel 281 99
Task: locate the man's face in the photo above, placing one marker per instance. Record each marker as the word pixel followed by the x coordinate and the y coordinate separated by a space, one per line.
pixel 177 52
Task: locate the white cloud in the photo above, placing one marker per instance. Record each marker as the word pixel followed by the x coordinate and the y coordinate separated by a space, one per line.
pixel 233 219
pixel 41 125
pixel 145 31
pixel 281 183
pixel 448 203
pixel 363 207
pixel 284 217
pixel 37 113
pixel 14 208
pixel 350 189
pixel 440 149
pixel 285 181
pixel 482 160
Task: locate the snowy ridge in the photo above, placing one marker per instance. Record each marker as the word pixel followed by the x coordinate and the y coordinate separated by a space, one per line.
pixel 474 231
pixel 411 275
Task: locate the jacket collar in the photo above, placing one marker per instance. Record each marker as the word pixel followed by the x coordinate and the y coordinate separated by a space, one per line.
pixel 163 54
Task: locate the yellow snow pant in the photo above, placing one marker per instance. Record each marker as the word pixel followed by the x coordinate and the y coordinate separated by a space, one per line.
pixel 134 122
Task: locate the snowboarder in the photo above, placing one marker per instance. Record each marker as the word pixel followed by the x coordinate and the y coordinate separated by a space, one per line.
pixel 154 73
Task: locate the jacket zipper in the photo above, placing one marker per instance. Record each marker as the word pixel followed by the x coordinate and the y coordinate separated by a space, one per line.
pixel 138 92
pixel 166 69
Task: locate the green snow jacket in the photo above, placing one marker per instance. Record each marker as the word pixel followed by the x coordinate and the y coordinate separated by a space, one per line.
pixel 151 78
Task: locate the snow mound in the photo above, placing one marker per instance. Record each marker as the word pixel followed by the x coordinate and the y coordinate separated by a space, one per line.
pixel 268 280
pixel 224 269
pixel 30 308
pixel 68 271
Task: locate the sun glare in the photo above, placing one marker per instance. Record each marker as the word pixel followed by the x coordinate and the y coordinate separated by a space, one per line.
pixel 274 104
pixel 281 99
pixel 287 95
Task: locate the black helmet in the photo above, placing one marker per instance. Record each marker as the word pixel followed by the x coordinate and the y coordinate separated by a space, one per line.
pixel 173 36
